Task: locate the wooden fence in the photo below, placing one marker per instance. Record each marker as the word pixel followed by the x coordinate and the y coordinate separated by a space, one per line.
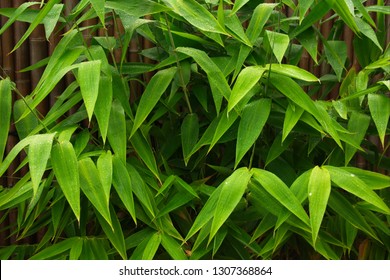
pixel 37 48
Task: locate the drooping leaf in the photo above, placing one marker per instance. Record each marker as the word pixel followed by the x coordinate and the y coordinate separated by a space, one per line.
pixel 123 186
pixel 309 41
pixel 357 124
pixel 189 134
pixel 38 155
pixel 196 14
pixel 380 112
pixel 336 53
pixel 278 43
pixel 259 18
pixel 103 105
pixel 374 180
pixel 292 116
pixel 225 122
pixel 152 94
pixel 246 80
pixel 275 187
pixel 104 168
pixel 318 193
pixel 352 184
pixel 5 115
pixel 55 250
pixel 238 5
pixel 116 132
pixel 65 167
pixel 173 247
pixel 91 186
pixel 98 6
pixel 232 190
pixel 253 118
pixel 293 72
pixel 51 19
pixel 88 78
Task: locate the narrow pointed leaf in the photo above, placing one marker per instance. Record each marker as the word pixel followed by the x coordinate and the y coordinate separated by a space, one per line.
pixel 309 41
pixel 104 168
pixel 5 115
pixel 232 190
pixel 88 78
pixel 380 112
pixel 278 43
pixel 238 4
pixel 374 180
pixel 292 116
pixel 246 80
pixel 103 105
pixel 151 247
pixel 64 162
pixel 275 187
pixel 123 186
pixel 173 247
pixel 98 6
pixel 91 186
pixel 226 121
pixel 351 183
pixel 189 134
pixel 358 124
pixel 259 18
pixel 38 155
pixel 51 19
pixel 55 250
pixel 152 94
pixel 116 132
pixel 319 191
pixel 253 118
pixel 293 72
pixel 336 53
pixel 196 14
pixel 136 8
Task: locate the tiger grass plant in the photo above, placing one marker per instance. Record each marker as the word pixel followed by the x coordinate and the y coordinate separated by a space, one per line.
pixel 215 144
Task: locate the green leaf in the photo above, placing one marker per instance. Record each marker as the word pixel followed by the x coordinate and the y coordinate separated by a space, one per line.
pixel 98 6
pixel 104 168
pixel 116 132
pixel 238 4
pixel 293 72
pixel 309 41
pixel 246 80
pixel 152 246
pixel 380 111
pixel 275 187
pixel 234 26
pixel 196 15
pixel 88 78
pixel 123 185
pixel 277 148
pixel 16 15
pixel 259 18
pixel 292 116
pixel 114 232
pixel 374 180
pixel 5 115
pixel 278 43
pixel 152 94
pixel 367 31
pixel 225 122
pixel 38 155
pixel 341 8
pixel 103 105
pixel 218 83
pixel 91 186
pixel 345 209
pixel 173 247
pixel 189 134
pixel 357 124
pixel 40 17
pixel 55 250
pixel 303 8
pixel 253 118
pixel 145 152
pixel 336 53
pixel 232 190
pixel 352 184
pixel 64 162
pixel 136 8
pixel 319 191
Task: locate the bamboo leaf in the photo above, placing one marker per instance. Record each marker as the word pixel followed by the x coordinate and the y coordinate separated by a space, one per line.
pixel 246 80
pixel 103 105
pixel 98 6
pixel 88 78
pixel 114 232
pixel 55 250
pixel 277 148
pixel 259 18
pixel 309 41
pixel 196 15
pixel 152 246
pixel 152 94
pixel 357 124
pixel 303 8
pixel 116 132
pixel 91 186
pixel 40 17
pixel 218 83
pixel 253 118
pixel 189 134
pixel 232 190
pixel 278 43
pixel 336 53
pixel 275 187
pixel 51 19
pixel 123 186
pixel 380 111
pixel 293 72
pixel 238 4
pixel 351 183
pixel 15 15
pixel 104 168
pixel 5 115
pixel 64 162
pixel 319 191
pixel 292 116
pixel 341 8
pixel 136 8
pixel 374 180
pixel 225 122
pixel 38 155
pixel 173 247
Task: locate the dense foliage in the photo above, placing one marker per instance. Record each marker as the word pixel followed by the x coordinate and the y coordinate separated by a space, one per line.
pixel 230 150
